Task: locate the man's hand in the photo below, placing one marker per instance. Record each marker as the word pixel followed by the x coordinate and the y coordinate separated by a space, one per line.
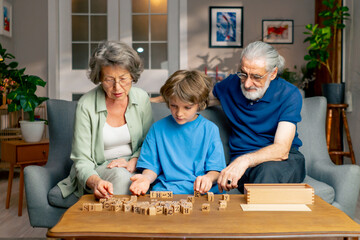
pixel 140 184
pixel 230 175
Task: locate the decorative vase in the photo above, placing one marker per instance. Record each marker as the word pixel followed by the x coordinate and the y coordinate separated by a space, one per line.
pixel 334 92
pixel 32 131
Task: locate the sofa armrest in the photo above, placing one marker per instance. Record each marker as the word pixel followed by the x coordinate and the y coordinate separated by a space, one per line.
pixel 38 182
pixel 345 179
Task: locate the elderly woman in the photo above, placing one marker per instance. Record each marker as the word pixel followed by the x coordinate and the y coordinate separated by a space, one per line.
pixel 111 123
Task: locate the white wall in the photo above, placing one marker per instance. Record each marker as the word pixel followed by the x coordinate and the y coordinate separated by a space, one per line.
pixel 352 74
pixel 301 11
pixel 29 38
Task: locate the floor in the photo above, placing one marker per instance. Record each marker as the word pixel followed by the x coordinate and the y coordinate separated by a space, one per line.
pixel 14 227
pixel 11 225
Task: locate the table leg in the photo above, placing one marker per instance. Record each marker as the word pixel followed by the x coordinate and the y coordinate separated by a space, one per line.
pixel 8 194
pixel 21 190
pixel 328 132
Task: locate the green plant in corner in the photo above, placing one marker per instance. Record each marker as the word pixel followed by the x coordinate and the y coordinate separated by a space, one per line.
pixel 24 95
pixel 323 40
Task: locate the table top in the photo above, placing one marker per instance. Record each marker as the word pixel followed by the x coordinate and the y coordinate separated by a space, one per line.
pixel 324 220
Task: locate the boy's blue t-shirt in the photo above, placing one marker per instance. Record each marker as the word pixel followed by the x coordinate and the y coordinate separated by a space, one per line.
pixel 254 123
pixel 178 154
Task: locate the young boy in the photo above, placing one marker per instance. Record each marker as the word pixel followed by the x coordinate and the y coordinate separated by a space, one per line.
pixel 182 152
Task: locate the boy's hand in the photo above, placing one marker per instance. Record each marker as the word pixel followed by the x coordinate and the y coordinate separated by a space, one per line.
pixel 140 184
pixel 203 184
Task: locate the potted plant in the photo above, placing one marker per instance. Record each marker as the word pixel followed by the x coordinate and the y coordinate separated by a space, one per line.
pixel 301 78
pixel 6 75
pixel 23 96
pixel 323 42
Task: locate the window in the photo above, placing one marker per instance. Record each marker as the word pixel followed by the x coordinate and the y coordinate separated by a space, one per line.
pixel 89 27
pixel 149 32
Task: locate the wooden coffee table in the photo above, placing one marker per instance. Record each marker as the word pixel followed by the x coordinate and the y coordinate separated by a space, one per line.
pixel 324 220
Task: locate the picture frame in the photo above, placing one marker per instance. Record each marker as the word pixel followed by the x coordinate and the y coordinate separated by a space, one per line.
pixel 226 27
pixel 278 31
pixel 6 18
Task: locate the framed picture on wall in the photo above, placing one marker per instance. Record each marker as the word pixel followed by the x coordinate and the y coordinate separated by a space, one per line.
pixel 225 27
pixel 278 31
pixel 5 18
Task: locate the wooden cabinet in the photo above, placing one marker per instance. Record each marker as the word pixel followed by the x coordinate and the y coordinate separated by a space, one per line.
pixel 18 152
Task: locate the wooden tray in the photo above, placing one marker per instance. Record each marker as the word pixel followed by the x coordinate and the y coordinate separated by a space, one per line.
pixel 291 193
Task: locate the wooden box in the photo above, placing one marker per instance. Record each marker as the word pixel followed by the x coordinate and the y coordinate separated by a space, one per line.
pixel 291 193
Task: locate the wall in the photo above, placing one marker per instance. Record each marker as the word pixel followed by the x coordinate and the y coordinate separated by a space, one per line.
pixel 199 54
pixel 29 42
pixel 352 74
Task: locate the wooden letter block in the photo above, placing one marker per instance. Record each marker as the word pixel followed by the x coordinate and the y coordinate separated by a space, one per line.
pixel 144 210
pixel 186 210
pixel 98 207
pixel 137 208
pixel 189 205
pixel 107 205
pixel 176 208
pixel 205 207
pixel 152 211
pixel 102 200
pixel 115 207
pixel 85 206
pixel 226 197
pixel 152 194
pixel 191 199
pixel 197 194
pixel 91 207
pixel 127 207
pixel 221 208
pixel 170 211
pixel 223 203
pixel 133 198
pixel 159 209
pixel 211 196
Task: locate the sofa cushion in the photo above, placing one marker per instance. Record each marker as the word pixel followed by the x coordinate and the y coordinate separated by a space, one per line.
pixel 326 192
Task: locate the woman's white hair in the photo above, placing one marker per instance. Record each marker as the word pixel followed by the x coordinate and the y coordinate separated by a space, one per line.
pixel 109 53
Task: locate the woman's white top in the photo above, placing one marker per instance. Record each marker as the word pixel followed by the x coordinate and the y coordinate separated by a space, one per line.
pixel 116 141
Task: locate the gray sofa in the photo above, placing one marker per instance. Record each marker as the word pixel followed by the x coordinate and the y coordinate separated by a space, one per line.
pixel 338 185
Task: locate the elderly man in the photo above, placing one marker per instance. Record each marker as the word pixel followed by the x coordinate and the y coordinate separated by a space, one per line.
pixel 263 111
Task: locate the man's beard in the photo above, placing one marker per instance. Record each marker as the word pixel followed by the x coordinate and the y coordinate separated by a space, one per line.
pixel 259 93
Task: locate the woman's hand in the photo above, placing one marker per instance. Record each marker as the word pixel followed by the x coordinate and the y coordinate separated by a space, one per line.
pixel 131 167
pixel 121 162
pixel 101 188
pixel 140 184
